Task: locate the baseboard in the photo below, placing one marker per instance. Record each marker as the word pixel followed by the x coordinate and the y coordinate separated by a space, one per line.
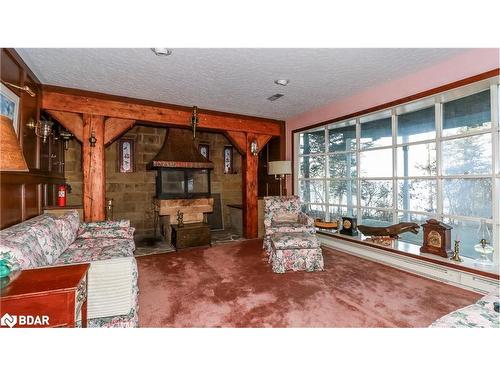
pixel 419 267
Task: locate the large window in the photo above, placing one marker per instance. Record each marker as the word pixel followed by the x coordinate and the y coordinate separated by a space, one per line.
pixel 435 158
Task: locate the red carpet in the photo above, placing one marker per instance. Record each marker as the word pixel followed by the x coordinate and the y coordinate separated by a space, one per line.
pixel 231 285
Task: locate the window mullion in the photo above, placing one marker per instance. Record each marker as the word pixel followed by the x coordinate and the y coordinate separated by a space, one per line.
pixel 495 123
pixel 358 170
pixel 394 166
pixel 439 125
pixel 327 176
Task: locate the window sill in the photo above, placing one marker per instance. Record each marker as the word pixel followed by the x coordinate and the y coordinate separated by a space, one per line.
pixel 413 251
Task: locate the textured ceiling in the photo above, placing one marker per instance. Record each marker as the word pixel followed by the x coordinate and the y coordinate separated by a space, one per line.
pixel 230 80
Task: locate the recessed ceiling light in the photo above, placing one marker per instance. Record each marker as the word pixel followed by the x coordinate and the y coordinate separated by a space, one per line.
pixel 275 97
pixel 282 82
pixel 162 51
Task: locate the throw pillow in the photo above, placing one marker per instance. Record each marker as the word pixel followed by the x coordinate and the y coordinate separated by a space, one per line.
pixel 285 217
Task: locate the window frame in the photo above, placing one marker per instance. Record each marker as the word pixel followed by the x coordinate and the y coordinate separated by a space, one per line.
pixel 437 101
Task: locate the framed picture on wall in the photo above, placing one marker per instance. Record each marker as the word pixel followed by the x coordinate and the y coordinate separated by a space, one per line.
pixel 9 106
pixel 204 150
pixel 126 155
pixel 228 159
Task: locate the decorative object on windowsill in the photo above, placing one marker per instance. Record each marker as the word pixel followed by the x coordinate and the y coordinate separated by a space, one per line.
pixel 319 223
pixel 484 247
pixel 194 121
pixel 280 169
pixel 180 219
pixel 456 251
pixel 437 238
pixel 9 105
pixel 109 210
pixel 43 128
pixel 349 226
pixel 126 155
pixel 381 240
pixel 392 231
pixel 11 155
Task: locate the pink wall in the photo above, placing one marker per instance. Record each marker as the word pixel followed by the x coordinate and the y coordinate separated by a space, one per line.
pixel 459 67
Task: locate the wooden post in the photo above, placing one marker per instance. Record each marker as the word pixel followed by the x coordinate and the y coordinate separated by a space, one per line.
pixel 94 178
pixel 250 200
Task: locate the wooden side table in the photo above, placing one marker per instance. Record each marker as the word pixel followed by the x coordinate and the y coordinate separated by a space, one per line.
pixel 189 235
pixel 45 297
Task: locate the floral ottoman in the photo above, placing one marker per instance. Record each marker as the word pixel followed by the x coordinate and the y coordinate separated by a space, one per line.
pixel 295 252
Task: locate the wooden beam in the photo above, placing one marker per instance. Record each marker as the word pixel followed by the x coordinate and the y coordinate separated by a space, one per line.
pixel 73 122
pixel 262 140
pixel 94 168
pixel 53 99
pixel 239 140
pixel 115 127
pixel 250 200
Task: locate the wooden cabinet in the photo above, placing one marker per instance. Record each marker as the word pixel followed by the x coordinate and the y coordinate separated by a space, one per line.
pixel 190 235
pixel 45 297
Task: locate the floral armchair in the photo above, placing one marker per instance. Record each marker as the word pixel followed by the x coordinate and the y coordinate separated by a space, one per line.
pixel 283 215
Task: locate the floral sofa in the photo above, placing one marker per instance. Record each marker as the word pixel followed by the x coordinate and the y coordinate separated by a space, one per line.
pixel 283 215
pixel 46 241
pixel 481 314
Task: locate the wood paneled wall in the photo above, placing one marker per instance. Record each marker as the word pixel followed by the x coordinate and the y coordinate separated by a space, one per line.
pixel 24 194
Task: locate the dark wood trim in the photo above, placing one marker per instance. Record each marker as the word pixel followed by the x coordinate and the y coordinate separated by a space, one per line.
pixel 411 98
pixel 32 177
pixel 415 256
pixel 13 53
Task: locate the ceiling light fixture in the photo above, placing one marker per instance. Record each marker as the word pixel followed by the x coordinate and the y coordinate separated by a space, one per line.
pixel 275 97
pixel 162 51
pixel 282 82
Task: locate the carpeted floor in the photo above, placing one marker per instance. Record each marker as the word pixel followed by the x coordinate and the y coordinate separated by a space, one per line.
pixel 231 285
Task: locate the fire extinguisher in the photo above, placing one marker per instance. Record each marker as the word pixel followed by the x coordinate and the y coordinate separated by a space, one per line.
pixel 61 195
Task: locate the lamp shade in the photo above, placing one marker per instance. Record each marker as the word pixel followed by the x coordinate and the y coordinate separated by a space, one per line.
pixel 11 155
pixel 280 167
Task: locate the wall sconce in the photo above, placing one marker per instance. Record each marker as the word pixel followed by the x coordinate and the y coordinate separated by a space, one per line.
pixel 254 148
pixel 92 139
pixel 42 128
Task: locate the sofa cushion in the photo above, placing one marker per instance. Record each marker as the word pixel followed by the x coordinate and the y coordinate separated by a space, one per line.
pixel 48 236
pixel 126 233
pixel 288 241
pixel 106 224
pixel 285 217
pixel 92 249
pixel 68 225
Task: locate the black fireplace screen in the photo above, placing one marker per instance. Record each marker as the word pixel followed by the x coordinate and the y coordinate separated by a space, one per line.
pixel 172 183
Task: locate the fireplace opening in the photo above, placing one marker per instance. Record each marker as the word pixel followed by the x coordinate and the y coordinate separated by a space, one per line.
pixel 179 183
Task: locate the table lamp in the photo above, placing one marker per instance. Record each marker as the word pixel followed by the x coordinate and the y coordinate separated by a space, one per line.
pixel 11 155
pixel 280 169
